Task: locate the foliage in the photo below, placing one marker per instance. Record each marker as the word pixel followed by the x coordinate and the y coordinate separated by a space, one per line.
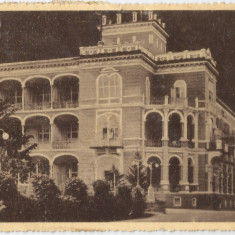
pixel 13 160
pixel 47 196
pixel 138 203
pixel 104 201
pixel 74 203
pixel 132 175
pixel 123 201
pixel 76 188
pixel 8 188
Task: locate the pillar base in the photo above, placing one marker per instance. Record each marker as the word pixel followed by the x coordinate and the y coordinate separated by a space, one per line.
pixel 151 195
pixel 165 185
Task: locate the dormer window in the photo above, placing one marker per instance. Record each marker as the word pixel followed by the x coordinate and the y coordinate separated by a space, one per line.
pixel 180 89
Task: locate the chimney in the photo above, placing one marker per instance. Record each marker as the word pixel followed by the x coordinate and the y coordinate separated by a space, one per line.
pixel 119 18
pixel 150 15
pixel 104 19
pixel 134 16
pixel 155 16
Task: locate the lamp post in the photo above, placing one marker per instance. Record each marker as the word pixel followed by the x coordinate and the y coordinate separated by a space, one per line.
pixel 151 194
pixel 5 136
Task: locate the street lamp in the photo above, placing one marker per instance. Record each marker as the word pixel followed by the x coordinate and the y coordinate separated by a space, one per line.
pixel 5 136
pixel 151 194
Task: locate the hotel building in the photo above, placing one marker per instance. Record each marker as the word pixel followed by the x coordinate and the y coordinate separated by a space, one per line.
pixel 127 94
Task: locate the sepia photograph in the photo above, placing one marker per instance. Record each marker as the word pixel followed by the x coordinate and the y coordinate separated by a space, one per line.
pixel 117 116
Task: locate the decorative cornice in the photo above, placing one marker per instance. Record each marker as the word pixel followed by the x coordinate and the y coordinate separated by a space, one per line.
pixel 38 64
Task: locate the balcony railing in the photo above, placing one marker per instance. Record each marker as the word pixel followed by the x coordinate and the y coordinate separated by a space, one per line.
pixel 153 143
pixel 37 106
pixel 178 102
pixel 65 104
pixel 157 101
pixel 174 143
pixel 174 188
pixel 107 143
pixel 191 144
pixel 64 144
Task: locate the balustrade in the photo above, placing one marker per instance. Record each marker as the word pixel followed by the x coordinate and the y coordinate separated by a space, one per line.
pixel 153 143
pixel 174 143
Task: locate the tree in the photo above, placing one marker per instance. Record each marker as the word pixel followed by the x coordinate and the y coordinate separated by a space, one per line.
pixel 137 172
pixel 14 156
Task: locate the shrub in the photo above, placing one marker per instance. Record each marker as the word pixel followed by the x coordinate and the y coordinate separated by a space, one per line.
pixel 46 195
pixel 75 201
pixel 123 202
pixel 8 188
pixel 104 201
pixel 76 188
pixel 138 204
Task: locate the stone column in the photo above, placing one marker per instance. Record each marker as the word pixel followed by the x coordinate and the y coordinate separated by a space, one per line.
pixel 52 132
pixel 196 130
pixel 195 170
pixel 52 94
pixel 210 179
pixel 22 129
pixel 165 171
pixel 51 169
pixel 165 128
pixel 232 183
pixel 23 97
pixel 184 179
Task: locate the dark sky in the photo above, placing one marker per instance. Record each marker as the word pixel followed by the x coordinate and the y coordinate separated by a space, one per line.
pixel 47 35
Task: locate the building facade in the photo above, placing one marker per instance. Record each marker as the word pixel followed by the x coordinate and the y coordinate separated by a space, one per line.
pixel 127 94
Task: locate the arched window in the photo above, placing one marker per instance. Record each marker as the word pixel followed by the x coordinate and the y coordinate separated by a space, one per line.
pixel 109 88
pixel 180 89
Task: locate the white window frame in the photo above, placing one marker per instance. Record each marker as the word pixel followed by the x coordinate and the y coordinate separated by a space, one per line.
pixel 107 88
pixel 180 202
pixel 194 202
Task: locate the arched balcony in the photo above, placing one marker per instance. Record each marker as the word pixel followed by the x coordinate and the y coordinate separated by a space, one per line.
pixel 174 174
pixel 153 130
pixel 65 132
pixel 174 130
pixel 39 128
pixel 37 94
pixel 11 91
pixel 64 167
pixel 66 92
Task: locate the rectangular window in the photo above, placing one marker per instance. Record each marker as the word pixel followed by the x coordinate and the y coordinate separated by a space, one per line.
pixel 177 92
pixel 72 132
pixel 150 39
pixel 44 134
pixel 177 201
pixel 105 132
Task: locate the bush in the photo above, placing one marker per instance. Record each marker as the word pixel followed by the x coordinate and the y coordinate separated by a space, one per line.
pixel 76 188
pixel 46 195
pixel 123 202
pixel 138 204
pixel 8 188
pixel 21 209
pixel 74 204
pixel 104 201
